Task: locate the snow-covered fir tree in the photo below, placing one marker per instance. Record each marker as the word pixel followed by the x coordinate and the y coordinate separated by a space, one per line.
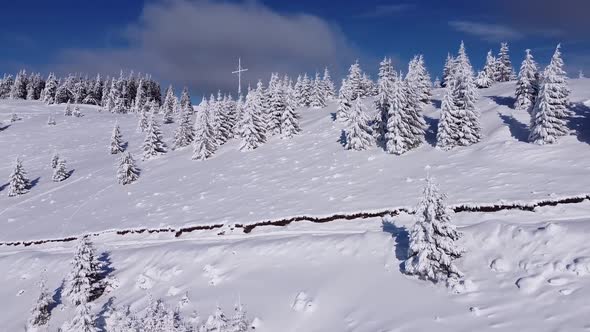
pixel 30 92
pixel 153 144
pixel 397 135
pixel 276 94
pixel 122 319
pixel 419 79
pixel 387 77
pixel 205 142
pixel 503 65
pixel 85 282
pixel 168 108
pixel 527 86
pixel 60 172
pixel 144 118
pixel 54 160
pixel 50 89
pixel 433 240
pixel 318 95
pixel 354 81
pixel 289 116
pixel 19 87
pixel 18 183
pixel 437 83
pixel 459 120
pixel 447 70
pixel 306 91
pixel 550 113
pixel 368 86
pixel 344 102
pixel 225 118
pixel 217 322
pixel 127 170
pixel 6 84
pixel 298 88
pixel 83 321
pixel 77 112
pixel 116 140
pixel 251 127
pixel 328 84
pixel 483 80
pixel 358 133
pixel 185 101
pixel 51 120
pixel 68 110
pixel 239 321
pixel 14 117
pixel 140 97
pixel 185 133
pixel 40 313
pixel 490 67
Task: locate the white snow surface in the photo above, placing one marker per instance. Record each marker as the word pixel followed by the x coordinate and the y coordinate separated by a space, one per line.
pixel 527 271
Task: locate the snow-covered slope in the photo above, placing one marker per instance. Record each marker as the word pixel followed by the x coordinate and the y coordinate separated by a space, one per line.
pixel 311 174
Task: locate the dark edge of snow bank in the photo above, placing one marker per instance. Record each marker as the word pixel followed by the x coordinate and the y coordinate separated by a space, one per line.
pixel 247 228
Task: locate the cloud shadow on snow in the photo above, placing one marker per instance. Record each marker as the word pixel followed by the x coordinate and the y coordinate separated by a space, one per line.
pixel 402 240
pixel 580 122
pixel 518 130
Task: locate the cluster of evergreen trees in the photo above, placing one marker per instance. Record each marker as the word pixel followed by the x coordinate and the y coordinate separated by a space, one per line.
pixel 19 183
pixel 496 69
pixel 399 125
pixel 88 280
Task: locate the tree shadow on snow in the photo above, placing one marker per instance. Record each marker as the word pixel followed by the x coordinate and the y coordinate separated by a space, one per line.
pixel 70 173
pixel 101 318
pixel 56 298
pixel 580 122
pixel 402 240
pixel 518 130
pixel 437 103
pixel 3 128
pixel 107 264
pixel 431 131
pixel 34 182
pixel 333 116
pixel 342 138
pixel 503 101
pixel 2 187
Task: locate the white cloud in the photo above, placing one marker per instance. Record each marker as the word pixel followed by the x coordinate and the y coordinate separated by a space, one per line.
pixel 198 43
pixel 486 31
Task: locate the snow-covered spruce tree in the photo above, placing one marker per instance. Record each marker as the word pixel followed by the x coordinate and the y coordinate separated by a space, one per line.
pixel 5 86
pixel 68 110
pixel 153 144
pixel 398 137
pixel 54 159
pixel 358 133
pixel 437 83
pixel 51 120
pixel 19 88
pixel 60 172
pixel 140 97
pixel 329 88
pixel 503 65
pixel 217 322
pixel 14 117
pixel 289 117
pixel 413 113
pixel 459 121
pixel 239 321
pixel 127 170
pixel 490 66
pixel 299 90
pixel 419 79
pixel 185 133
pixel 318 96
pixel 30 92
pixel 447 70
pixel 344 102
pixel 144 117
pixel 205 142
pixel 50 89
pixel 306 91
pixel 483 80
pixel 251 127
pixel 168 108
pixel 18 182
pixel 433 240
pixel 277 105
pixel 527 86
pixel 40 313
pixel 123 319
pixel 550 113
pixel 368 86
pixel 185 101
pixel 84 283
pixel 77 112
pixel 116 140
pixel 387 77
pixel 83 320
pixel 226 120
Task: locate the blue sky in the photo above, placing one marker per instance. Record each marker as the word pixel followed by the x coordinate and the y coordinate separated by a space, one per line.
pixel 196 43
